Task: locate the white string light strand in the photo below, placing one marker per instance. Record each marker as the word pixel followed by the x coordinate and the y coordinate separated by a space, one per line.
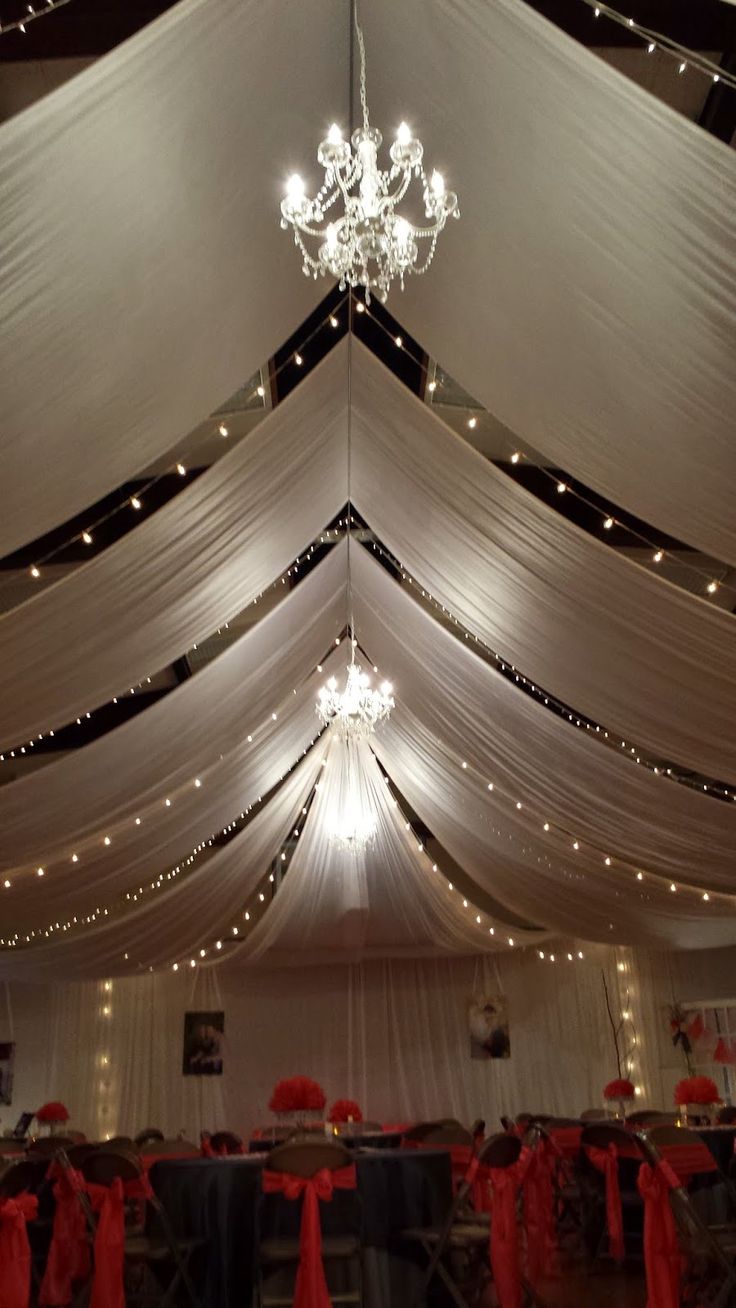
pixel 31 16
pixel 686 57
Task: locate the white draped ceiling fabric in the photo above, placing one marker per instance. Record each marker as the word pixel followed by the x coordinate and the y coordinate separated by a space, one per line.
pixel 588 296
pixel 143 277
pixel 625 379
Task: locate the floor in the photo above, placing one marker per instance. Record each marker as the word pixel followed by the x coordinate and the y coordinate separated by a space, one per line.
pixel 610 1290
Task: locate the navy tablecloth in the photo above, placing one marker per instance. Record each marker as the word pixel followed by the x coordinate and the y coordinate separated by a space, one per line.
pixel 218 1199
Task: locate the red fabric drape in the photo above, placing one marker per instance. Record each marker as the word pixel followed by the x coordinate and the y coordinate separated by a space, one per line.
pixel 539 1213
pixel 465 1167
pixel 311 1286
pixel 107 1284
pixel 504 1238
pixel 606 1160
pixel 662 1258
pixel 15 1251
pixel 689 1159
pixel 68 1257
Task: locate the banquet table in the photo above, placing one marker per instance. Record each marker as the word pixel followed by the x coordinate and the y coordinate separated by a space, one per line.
pixel 218 1199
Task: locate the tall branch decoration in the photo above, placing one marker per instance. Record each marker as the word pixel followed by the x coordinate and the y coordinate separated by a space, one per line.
pixel 622 1088
pixel 684 1029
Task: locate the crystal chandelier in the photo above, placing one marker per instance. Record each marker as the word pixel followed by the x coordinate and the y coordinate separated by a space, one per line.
pixel 354 713
pixel 353 829
pixel 370 243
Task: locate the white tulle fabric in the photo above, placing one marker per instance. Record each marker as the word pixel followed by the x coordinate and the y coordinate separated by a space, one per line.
pixel 636 654
pixel 100 789
pixel 561 775
pixel 145 276
pixel 188 569
pixel 384 900
pixel 175 924
pixel 588 294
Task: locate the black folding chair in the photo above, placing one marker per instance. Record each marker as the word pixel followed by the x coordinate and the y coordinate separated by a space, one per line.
pixel 157 1249
pixel 709 1250
pixel 458 1252
pixel 279 1253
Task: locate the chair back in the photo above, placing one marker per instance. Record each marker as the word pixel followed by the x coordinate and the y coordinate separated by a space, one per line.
pixel 105 1165
pixel 147 1135
pixel 119 1142
pixel 48 1146
pixel 596 1115
pixel 501 1150
pixel 162 1147
pixel 304 1157
pixel 77 1154
pixel 599 1135
pixel 651 1117
pixel 441 1133
pixel 226 1142
pixel 683 1149
pixel 25 1175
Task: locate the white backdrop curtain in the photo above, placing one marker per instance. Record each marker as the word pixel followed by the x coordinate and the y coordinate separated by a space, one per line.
pixel 186 570
pixel 587 296
pixel 573 892
pixel 384 900
pixel 170 923
pixel 392 1034
pixel 615 642
pixel 561 775
pixel 166 837
pixel 145 276
pixel 50 813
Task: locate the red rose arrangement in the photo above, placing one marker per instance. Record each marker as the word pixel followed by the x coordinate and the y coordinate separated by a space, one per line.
pixel 619 1089
pixel 52 1112
pixel 696 1090
pixel 297 1094
pixel 345 1110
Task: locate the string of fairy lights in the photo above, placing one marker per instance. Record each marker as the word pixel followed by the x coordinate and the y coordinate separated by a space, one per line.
pixel 327 537
pixel 31 14
pixel 715 789
pixel 178 466
pixel 708 585
pixel 654 41
pixel 133 895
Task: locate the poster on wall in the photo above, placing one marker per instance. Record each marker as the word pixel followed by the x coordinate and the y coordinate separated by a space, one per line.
pixel 7 1059
pixel 203 1044
pixel 488 1026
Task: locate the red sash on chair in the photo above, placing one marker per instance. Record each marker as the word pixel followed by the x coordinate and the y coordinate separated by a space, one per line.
pixel 107 1284
pixel 662 1259
pixel 539 1213
pixel 504 1239
pixel 68 1258
pixel 606 1161
pixel 466 1169
pixel 311 1286
pixel 15 1251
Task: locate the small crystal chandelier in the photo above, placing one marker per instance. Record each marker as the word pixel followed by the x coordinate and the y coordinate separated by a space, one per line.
pixel 353 829
pixel 354 712
pixel 371 243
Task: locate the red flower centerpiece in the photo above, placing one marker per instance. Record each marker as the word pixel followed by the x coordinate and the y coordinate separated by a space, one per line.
pixel 297 1096
pixel 620 1089
pixel 695 1092
pixel 345 1110
pixel 53 1115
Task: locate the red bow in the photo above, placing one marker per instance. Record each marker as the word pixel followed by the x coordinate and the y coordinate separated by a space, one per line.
pixel 606 1160
pixel 311 1286
pixel 107 1284
pixel 504 1241
pixel 661 1253
pixel 15 1251
pixel 539 1213
pixel 68 1257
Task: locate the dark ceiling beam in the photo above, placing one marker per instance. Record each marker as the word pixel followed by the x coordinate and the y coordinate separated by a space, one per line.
pixel 718 114
pixel 82 29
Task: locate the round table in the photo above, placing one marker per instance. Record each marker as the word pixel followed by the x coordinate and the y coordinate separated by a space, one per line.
pixel 218 1199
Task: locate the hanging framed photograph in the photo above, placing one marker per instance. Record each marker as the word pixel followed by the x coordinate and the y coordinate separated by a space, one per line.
pixel 7 1060
pixel 203 1044
pixel 488 1027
